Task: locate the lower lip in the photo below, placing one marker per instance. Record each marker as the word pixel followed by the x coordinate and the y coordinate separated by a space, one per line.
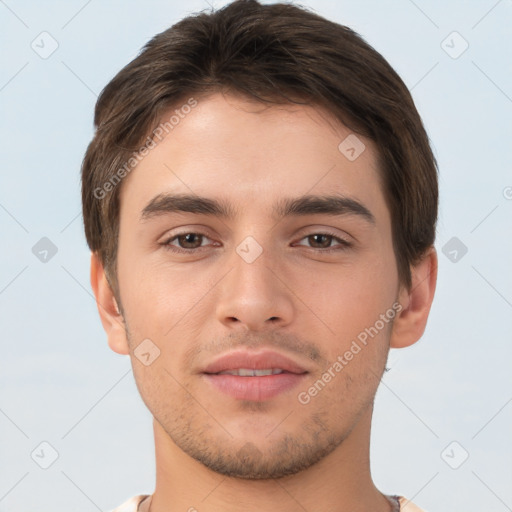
pixel 255 388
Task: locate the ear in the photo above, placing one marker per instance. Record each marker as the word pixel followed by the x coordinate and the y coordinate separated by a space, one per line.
pixel 111 318
pixel 410 322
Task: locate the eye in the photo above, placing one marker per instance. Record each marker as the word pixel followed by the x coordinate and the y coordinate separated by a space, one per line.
pixel 322 242
pixel 187 242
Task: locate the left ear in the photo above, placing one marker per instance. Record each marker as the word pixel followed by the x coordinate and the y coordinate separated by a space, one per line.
pixel 409 324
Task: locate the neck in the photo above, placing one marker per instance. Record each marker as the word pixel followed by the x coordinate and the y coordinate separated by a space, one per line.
pixel 340 482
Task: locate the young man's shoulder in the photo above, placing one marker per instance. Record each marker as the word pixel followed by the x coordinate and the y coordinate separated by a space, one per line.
pixel 140 503
pixel 137 503
pixel 411 507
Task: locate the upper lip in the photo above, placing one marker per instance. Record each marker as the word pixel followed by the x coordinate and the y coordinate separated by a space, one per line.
pixel 254 361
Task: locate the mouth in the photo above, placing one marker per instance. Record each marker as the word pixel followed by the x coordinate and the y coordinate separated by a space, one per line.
pixel 252 376
pixel 248 372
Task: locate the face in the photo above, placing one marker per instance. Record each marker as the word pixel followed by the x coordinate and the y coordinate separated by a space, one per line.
pixel 257 270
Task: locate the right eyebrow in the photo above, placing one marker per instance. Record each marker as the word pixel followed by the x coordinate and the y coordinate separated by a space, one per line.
pixel 167 203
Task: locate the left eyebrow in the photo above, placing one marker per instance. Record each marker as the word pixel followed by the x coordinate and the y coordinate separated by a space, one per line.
pixel 163 204
pixel 328 205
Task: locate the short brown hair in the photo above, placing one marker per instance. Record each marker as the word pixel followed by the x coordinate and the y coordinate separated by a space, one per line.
pixel 275 54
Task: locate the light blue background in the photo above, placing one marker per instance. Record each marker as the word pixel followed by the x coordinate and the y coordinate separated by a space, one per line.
pixel 59 381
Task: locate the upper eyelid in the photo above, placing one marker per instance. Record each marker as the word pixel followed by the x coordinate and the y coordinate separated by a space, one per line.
pixel 203 230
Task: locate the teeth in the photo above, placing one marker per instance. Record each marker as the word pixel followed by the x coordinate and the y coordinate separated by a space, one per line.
pixel 247 372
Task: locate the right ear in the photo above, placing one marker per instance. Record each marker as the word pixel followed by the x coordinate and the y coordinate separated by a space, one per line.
pixel 111 318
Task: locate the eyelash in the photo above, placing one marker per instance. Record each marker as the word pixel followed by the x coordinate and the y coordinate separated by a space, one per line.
pixel 167 244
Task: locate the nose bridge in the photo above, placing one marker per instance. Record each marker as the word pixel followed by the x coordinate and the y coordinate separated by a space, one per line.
pixel 252 293
pixel 253 268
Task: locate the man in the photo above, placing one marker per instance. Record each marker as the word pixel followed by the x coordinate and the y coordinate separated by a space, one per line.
pixel 260 199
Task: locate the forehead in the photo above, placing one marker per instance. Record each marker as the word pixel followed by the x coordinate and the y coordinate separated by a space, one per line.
pixel 228 147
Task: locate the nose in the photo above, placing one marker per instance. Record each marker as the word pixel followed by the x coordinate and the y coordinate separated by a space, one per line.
pixel 254 294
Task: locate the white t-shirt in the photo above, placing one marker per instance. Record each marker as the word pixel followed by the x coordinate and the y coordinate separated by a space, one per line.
pixel 140 503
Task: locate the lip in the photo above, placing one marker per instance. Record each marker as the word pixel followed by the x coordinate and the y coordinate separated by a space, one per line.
pixel 254 361
pixel 254 388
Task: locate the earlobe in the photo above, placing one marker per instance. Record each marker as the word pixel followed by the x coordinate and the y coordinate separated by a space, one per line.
pixel 409 325
pixel 110 316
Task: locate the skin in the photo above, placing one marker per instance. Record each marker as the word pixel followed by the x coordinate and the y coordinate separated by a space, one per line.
pixel 214 452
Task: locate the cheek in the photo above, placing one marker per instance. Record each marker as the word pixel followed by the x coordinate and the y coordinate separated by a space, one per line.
pixel 161 389
pixel 359 312
pixel 157 296
pixel 347 300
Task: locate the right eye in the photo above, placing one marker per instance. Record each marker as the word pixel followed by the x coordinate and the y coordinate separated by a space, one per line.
pixel 188 242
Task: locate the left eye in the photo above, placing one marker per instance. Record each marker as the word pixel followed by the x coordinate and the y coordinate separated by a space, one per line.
pixel 325 239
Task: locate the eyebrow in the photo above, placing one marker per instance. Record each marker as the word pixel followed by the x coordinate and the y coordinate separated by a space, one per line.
pixel 163 204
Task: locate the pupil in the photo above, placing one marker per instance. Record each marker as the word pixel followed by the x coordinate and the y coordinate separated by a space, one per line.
pixel 317 237
pixel 189 238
